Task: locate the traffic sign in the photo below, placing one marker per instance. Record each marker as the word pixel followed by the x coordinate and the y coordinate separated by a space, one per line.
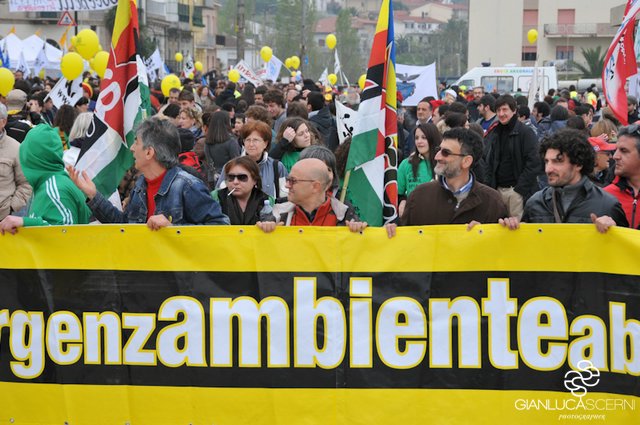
pixel 66 20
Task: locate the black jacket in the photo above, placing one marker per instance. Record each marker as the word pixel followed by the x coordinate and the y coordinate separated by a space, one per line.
pixel 325 123
pixel 526 158
pixel 17 127
pixel 590 199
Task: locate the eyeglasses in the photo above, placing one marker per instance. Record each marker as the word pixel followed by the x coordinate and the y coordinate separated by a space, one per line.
pixel 446 152
pixel 253 141
pixel 241 177
pixel 292 180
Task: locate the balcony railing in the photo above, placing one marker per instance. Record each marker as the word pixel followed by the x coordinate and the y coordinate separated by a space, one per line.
pixel 579 30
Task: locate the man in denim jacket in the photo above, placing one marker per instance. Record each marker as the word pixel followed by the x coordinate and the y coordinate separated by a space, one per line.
pixel 164 194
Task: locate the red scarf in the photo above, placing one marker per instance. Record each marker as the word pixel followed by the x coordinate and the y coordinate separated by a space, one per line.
pixel 153 186
pixel 324 216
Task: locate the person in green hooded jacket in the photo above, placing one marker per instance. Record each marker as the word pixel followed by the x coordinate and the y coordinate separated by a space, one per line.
pixel 56 200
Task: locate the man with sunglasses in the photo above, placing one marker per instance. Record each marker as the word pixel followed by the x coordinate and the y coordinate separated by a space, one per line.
pixel 455 197
pixel 311 202
pixel 164 194
pixel 626 187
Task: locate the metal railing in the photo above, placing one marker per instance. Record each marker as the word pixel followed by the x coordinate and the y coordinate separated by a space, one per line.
pixel 579 30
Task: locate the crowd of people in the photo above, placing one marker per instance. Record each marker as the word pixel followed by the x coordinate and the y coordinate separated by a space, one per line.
pixel 227 153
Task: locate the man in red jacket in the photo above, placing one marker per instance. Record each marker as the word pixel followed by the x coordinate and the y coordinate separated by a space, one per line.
pixel 626 186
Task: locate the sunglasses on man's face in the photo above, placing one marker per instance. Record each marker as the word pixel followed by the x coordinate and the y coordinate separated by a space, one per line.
pixel 241 177
pixel 446 152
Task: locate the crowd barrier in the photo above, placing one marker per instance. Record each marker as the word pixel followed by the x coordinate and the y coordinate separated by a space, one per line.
pixel 227 325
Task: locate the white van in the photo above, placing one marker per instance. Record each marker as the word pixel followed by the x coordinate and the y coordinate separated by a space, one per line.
pixel 508 79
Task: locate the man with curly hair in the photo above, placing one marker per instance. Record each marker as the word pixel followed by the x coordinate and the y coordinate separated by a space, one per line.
pixel 570 197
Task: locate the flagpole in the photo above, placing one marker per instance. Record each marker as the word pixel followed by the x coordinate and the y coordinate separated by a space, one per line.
pixel 343 194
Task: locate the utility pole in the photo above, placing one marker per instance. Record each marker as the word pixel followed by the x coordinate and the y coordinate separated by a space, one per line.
pixel 240 31
pixel 303 30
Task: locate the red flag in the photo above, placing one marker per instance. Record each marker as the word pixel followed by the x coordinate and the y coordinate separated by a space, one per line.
pixel 620 63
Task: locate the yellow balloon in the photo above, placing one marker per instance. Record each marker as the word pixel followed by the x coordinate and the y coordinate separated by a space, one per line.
pixel 532 36
pixel 331 41
pixel 100 62
pixel 199 66
pixel 234 76
pixel 6 81
pixel 74 40
pixel 266 53
pixel 179 57
pixel 362 80
pixel 293 74
pixel 287 63
pixel 87 43
pixel 169 82
pixel 333 79
pixel 190 76
pixel 295 62
pixel 71 65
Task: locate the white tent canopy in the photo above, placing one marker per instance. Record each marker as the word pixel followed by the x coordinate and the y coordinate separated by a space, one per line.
pixel 30 47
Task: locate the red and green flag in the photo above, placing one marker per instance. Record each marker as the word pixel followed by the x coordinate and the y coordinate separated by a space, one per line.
pixel 372 166
pixel 120 107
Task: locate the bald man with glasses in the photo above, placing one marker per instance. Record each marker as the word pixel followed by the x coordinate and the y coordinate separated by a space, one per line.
pixel 455 197
pixel 310 200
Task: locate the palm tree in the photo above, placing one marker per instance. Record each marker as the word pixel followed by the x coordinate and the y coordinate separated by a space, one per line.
pixel 594 59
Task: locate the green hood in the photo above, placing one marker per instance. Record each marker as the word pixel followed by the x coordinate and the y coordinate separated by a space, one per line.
pixel 41 154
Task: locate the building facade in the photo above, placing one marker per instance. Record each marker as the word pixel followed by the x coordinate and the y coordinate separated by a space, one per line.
pixel 498 30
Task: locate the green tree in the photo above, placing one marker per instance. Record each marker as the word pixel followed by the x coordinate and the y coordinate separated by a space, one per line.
pixel 594 59
pixel 288 41
pixel 147 45
pixel 229 13
pixel 349 51
pixel 451 46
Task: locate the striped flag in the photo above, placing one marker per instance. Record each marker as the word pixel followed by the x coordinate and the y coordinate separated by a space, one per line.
pixel 620 63
pixel 120 106
pixel 371 185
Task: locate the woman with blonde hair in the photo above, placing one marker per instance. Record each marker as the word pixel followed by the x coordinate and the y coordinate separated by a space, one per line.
pixel 190 119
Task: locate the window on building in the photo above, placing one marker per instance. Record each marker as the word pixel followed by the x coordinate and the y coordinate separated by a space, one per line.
pixel 567 16
pixel 321 42
pixel 529 53
pixel 564 52
pixel 530 18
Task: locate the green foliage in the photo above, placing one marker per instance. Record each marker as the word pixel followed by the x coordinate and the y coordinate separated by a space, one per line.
pixel 288 41
pixel 147 45
pixel 594 59
pixel 229 13
pixel 447 47
pixel 349 51
pixel 399 5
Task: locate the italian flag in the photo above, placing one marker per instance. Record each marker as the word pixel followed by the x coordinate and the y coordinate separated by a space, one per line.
pixel 372 167
pixel 124 97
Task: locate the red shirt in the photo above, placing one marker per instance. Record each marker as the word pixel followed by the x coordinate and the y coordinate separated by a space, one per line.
pixel 152 189
pixel 323 216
